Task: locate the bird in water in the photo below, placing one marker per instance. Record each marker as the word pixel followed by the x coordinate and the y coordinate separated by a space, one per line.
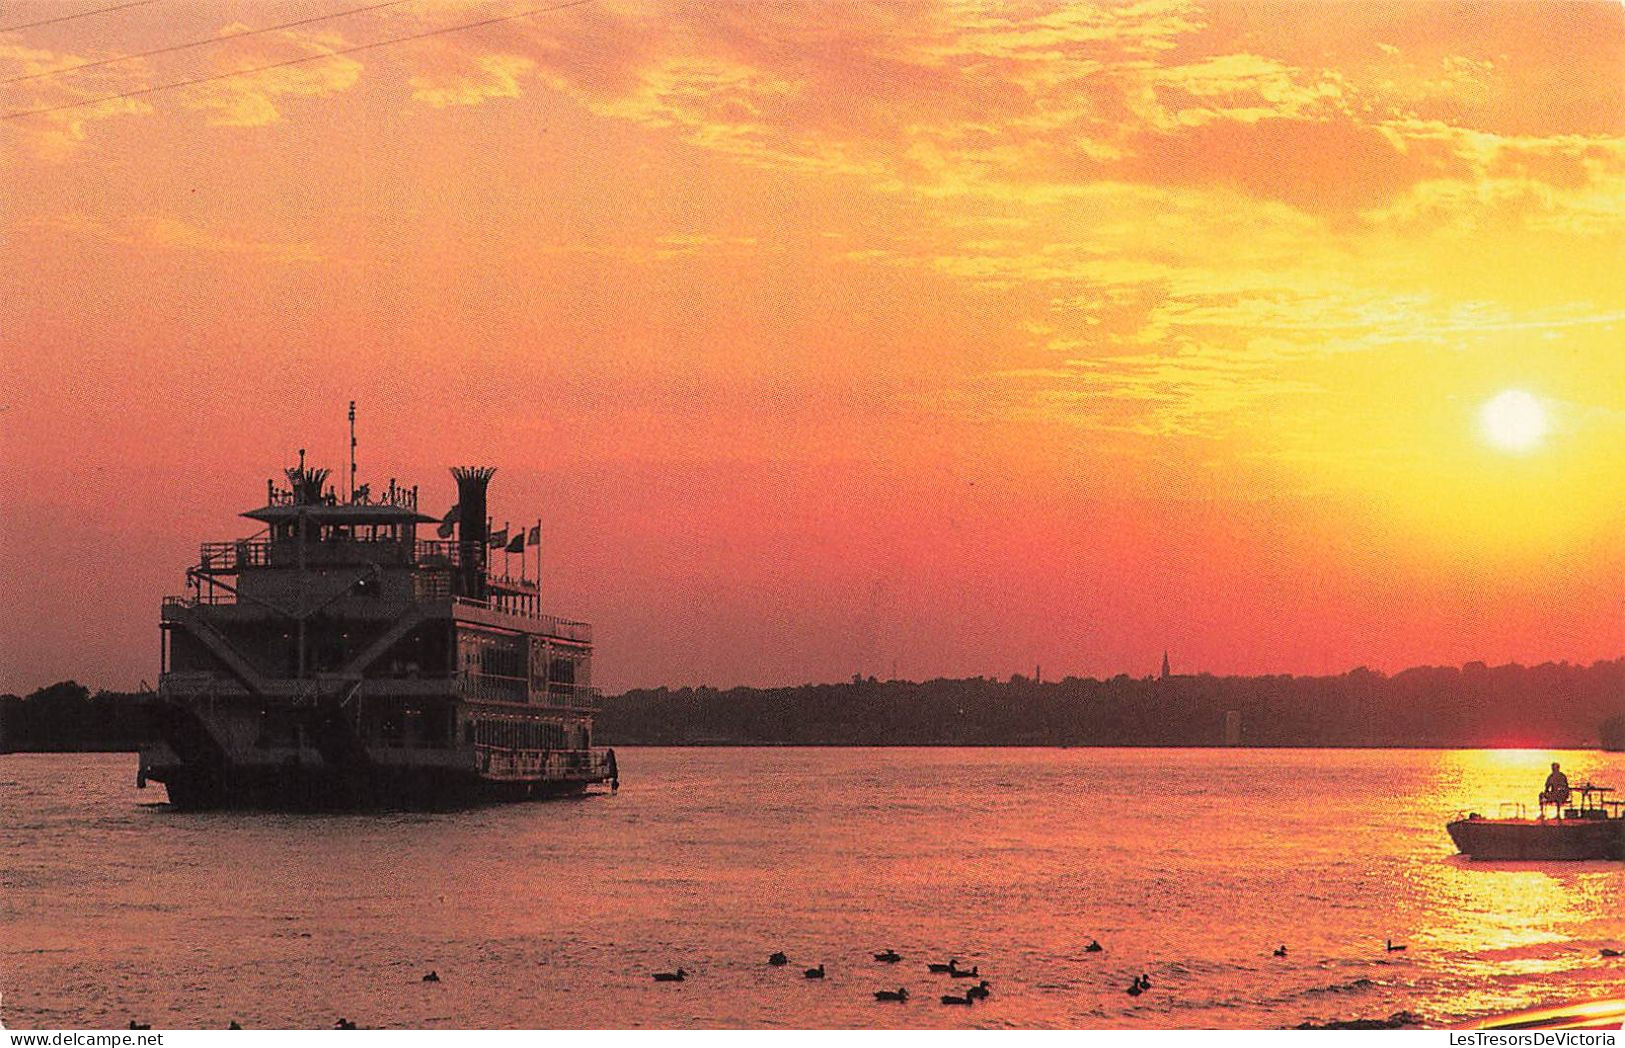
pixel 899 994
pixel 1391 948
pixel 1607 952
pixel 778 960
pixel 139 1026
pixel 1280 951
pixel 343 1024
pixel 1135 989
pixel 235 1025
pixel 980 990
pixel 432 977
pixel 889 957
pixel 815 973
pixel 962 973
pixel 949 998
pixel 1093 947
pixel 942 968
pixel 678 976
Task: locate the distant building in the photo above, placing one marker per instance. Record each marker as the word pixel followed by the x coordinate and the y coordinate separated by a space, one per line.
pixel 1165 672
pixel 1232 727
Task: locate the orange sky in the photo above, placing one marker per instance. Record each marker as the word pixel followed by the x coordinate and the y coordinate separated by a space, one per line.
pixel 830 337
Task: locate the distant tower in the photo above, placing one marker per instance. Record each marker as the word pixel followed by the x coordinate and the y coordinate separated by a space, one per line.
pixel 1232 727
pixel 1165 672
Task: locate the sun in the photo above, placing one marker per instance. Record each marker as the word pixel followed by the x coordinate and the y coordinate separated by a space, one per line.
pixel 1513 421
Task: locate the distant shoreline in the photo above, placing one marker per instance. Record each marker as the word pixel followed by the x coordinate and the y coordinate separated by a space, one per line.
pixel 1550 706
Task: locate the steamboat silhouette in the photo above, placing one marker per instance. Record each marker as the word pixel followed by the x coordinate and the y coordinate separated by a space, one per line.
pixel 336 659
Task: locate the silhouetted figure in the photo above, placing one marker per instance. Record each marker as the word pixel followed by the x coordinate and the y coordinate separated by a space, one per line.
pixel 815 973
pixel 899 994
pixel 678 976
pixel 889 957
pixel 778 960
pixel 1557 788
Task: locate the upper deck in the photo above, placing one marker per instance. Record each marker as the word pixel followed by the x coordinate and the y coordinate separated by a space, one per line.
pixel 360 557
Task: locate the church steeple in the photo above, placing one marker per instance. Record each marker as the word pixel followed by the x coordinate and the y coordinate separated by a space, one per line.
pixel 1165 671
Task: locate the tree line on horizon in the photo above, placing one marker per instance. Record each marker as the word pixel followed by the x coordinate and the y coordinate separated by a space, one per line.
pixel 1553 705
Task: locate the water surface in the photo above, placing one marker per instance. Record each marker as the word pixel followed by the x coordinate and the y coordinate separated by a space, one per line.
pixel 1190 866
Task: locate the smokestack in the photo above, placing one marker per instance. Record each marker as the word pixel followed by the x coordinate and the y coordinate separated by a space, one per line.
pixel 471 532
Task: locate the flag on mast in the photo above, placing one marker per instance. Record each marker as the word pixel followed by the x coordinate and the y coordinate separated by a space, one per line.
pixel 449 521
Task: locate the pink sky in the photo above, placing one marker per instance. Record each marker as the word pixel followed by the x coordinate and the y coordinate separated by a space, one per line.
pixel 835 338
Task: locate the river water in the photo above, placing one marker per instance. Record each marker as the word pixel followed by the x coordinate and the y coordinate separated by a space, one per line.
pixel 1190 866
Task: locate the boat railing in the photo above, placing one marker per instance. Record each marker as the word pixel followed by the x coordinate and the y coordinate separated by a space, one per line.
pixel 574 696
pixel 234 556
pixel 504 761
pixel 552 625
pixel 192 600
pixel 1512 810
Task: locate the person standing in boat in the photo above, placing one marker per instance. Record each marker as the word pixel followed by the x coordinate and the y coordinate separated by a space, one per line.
pixel 1557 788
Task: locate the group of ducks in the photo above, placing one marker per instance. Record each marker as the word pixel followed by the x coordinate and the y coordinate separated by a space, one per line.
pixel 976 993
pixel 952 969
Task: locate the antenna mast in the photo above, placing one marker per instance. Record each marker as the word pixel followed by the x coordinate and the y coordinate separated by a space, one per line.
pixel 352 451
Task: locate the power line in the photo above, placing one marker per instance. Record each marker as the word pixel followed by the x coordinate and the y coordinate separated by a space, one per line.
pixel 296 61
pixel 202 43
pixel 81 14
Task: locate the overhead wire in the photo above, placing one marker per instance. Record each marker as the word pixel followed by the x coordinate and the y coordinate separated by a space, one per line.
pixel 72 17
pixel 327 53
pixel 226 38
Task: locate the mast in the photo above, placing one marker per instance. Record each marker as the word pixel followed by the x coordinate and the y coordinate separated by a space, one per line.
pixel 352 451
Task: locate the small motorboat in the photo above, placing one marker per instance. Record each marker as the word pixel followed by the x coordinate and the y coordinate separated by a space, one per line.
pixel 1586 825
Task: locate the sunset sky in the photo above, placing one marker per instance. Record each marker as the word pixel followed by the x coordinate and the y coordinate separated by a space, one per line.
pixel 830 338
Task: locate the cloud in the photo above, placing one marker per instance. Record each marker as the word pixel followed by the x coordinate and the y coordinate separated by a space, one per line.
pixel 251 99
pixel 172 233
pixel 475 79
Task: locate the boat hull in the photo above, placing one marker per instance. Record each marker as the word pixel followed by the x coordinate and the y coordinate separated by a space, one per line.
pixel 1564 840
pixel 321 788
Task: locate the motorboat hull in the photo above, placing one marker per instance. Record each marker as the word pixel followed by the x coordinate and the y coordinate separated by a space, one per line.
pixel 1563 840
